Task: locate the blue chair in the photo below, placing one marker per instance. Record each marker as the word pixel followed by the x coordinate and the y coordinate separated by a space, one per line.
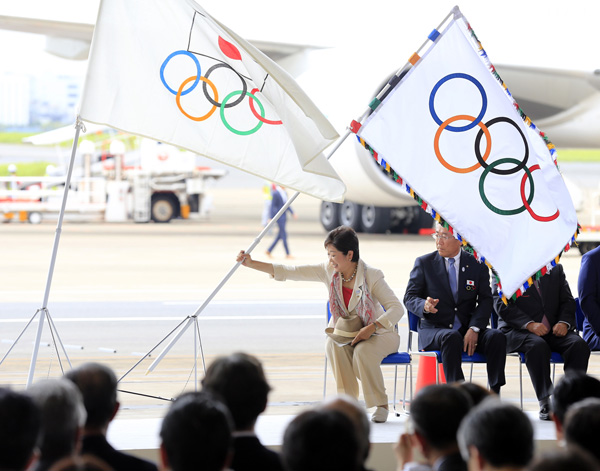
pixel 413 327
pixel 397 359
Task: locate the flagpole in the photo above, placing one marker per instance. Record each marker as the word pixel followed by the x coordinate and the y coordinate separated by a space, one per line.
pixel 249 250
pixel 44 310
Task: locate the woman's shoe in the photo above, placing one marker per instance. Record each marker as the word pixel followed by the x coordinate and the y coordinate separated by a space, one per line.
pixel 380 415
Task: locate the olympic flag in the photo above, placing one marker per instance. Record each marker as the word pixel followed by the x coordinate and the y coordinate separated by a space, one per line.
pixel 168 71
pixel 457 139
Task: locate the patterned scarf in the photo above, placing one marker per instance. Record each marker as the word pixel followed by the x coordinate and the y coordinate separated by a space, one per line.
pixel 365 307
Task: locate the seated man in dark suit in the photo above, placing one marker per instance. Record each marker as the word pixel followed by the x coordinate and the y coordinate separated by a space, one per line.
pixel 196 434
pixel 539 322
pixel 450 291
pixel 20 422
pixel 240 382
pixel 432 427
pixel 589 297
pixel 98 386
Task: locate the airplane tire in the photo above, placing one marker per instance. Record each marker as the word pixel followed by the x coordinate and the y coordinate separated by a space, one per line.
pixel 350 215
pixel 34 217
pixel 421 220
pixel 330 215
pixel 375 219
pixel 164 208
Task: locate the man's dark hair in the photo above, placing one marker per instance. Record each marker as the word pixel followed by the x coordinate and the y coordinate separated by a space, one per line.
pixel 582 425
pixel 321 440
pixel 196 433
pixel 475 391
pixel 501 432
pixel 437 412
pixel 573 387
pixel 344 239
pixel 20 421
pixel 571 458
pixel 98 386
pixel 239 380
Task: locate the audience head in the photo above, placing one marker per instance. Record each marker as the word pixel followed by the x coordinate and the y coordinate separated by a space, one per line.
pixel 239 380
pixel 98 386
pixel 62 414
pixel 356 413
pixel 582 425
pixel 437 412
pixel 475 391
pixel 196 434
pixel 344 239
pixel 573 387
pixel 496 434
pixel 19 428
pixel 321 440
pixel 565 459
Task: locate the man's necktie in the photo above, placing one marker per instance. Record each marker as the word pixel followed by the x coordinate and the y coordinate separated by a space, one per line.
pixel 453 280
pixel 545 321
pixel 454 288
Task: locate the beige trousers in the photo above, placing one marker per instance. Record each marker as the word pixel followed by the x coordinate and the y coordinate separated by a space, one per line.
pixel 363 362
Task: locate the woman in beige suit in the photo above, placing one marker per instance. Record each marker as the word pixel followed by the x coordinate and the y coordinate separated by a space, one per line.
pixel 361 332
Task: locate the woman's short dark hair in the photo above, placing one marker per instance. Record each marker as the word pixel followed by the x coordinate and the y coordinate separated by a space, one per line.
pixel 344 239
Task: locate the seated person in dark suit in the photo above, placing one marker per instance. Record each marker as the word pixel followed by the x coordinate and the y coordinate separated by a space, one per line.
pixel 239 380
pixel 450 291
pixel 321 440
pixel 573 387
pixel 20 421
pixel 496 436
pixel 589 297
pixel 98 386
pixel 582 426
pixel 432 427
pixel 196 434
pixel 539 322
pixel 62 419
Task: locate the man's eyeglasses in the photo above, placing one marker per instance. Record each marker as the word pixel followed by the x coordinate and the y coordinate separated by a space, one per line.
pixel 443 237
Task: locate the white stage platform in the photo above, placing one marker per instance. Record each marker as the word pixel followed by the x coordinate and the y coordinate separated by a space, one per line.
pixel 141 436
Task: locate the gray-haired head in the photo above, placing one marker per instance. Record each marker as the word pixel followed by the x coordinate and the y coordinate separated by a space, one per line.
pixel 63 414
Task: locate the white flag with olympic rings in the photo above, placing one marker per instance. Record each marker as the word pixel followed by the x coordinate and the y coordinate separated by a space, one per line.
pixel 168 71
pixel 457 139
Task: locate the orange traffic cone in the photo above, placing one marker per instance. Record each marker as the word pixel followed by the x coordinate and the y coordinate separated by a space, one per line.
pixel 426 374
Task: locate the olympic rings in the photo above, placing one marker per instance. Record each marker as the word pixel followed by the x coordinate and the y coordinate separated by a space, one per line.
pixel 164 64
pixel 436 143
pixel 242 93
pixel 505 212
pixel 483 101
pixel 231 128
pixel 533 215
pixel 482 160
pixel 255 113
pixel 214 99
pixel 178 98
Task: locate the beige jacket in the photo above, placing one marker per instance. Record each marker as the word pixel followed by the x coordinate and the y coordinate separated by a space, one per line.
pixel 381 293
